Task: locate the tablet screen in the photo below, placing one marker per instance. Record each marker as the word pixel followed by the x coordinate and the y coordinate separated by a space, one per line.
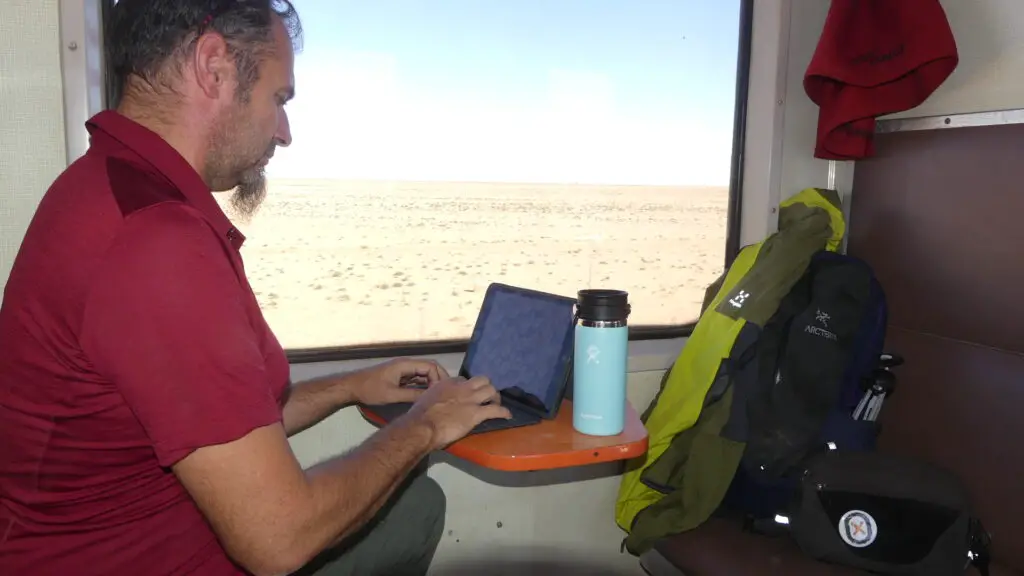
pixel 523 340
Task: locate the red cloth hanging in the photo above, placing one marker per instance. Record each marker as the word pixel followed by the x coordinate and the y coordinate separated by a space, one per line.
pixel 875 57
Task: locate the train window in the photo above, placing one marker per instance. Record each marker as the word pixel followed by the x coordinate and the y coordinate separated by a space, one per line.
pixel 441 146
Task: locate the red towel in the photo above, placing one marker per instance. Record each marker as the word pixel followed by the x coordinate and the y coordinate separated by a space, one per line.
pixel 875 57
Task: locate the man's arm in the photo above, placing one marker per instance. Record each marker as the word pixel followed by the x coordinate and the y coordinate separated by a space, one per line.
pixel 310 402
pixel 272 517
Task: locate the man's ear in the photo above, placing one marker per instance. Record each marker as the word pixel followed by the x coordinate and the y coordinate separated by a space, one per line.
pixel 213 66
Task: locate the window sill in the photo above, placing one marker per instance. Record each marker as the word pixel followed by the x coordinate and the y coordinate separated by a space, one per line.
pixel 659 337
pixel 644 356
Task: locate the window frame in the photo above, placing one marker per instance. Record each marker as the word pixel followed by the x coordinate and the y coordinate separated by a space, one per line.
pixel 83 75
pixel 636 333
pixel 109 88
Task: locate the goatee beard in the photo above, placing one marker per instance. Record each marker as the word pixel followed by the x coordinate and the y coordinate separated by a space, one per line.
pixel 247 197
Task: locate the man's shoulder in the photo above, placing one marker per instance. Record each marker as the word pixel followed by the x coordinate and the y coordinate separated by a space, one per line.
pixel 136 188
pixel 155 211
pixel 80 222
pixel 132 185
pixel 162 253
pixel 167 230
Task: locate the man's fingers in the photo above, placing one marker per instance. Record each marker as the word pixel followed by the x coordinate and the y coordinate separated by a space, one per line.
pixel 478 382
pixel 485 394
pixel 438 373
pixel 491 411
pixel 407 394
pixel 432 371
pixel 416 381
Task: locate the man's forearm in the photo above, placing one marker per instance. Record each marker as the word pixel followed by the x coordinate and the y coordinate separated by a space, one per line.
pixel 347 492
pixel 311 401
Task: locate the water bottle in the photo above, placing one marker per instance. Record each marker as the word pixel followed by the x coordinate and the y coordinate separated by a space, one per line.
pixel 599 362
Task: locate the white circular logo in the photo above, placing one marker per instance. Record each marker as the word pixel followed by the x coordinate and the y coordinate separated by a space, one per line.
pixel 858 529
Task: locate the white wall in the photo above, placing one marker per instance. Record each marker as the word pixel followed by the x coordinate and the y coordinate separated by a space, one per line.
pixel 31 116
pixel 800 169
pixel 990 76
pixel 783 121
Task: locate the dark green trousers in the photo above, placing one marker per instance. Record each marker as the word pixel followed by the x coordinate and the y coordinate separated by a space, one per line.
pixel 400 541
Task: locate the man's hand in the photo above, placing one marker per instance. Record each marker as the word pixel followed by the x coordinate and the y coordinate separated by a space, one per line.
pixel 390 382
pixel 454 406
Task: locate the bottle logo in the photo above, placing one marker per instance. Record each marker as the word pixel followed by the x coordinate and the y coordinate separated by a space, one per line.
pixel 592 354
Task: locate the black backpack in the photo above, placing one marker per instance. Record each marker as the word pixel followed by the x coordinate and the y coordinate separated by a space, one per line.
pixel 816 360
pixel 809 468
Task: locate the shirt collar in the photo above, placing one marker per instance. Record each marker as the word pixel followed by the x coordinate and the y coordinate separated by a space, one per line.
pixel 155 151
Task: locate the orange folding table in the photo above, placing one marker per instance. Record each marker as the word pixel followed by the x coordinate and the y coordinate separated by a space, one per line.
pixel 546 446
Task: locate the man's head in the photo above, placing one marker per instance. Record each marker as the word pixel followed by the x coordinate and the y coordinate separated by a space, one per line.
pixel 222 70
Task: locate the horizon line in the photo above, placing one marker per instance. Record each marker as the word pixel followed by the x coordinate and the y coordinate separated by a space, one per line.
pixel 495 182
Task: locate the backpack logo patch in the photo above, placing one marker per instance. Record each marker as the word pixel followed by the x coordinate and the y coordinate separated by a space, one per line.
pixel 822 318
pixel 858 529
pixel 821 329
pixel 738 300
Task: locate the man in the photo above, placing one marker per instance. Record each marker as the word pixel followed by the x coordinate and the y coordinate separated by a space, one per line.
pixel 144 402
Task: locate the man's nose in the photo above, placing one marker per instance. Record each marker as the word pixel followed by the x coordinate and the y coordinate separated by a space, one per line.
pixel 284 131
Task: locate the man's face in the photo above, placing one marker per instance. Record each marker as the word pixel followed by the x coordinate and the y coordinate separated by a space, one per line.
pixel 248 129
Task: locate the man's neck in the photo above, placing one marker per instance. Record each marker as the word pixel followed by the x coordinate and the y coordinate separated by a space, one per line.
pixel 179 135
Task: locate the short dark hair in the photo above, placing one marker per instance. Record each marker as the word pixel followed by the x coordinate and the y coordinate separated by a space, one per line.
pixel 141 37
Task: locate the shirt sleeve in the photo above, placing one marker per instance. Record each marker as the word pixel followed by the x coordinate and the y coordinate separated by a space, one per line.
pixel 166 322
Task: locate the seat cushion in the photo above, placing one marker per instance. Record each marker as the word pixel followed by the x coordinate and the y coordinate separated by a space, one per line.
pixel 721 548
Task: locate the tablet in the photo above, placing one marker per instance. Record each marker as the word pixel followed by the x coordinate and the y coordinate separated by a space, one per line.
pixel 523 342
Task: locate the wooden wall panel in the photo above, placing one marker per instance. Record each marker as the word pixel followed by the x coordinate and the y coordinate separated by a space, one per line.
pixel 939 214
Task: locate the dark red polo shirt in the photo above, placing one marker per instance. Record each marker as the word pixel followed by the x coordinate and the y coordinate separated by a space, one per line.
pixel 129 337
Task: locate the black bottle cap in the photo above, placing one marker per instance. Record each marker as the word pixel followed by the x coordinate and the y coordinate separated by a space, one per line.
pixel 600 305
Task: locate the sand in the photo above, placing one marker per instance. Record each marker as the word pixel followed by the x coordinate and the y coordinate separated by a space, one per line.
pixel 337 263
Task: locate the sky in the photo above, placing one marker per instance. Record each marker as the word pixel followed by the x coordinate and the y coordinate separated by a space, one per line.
pixel 564 91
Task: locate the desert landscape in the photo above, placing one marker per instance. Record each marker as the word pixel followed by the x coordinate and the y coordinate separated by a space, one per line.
pixel 337 263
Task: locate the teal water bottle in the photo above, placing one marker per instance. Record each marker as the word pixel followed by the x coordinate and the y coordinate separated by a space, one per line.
pixel 599 362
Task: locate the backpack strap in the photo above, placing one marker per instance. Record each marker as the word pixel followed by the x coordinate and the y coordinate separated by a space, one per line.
pixel 979 547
